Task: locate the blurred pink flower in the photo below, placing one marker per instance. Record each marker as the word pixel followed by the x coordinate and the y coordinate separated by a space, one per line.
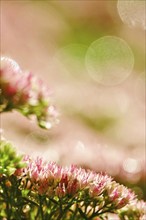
pixel 137 207
pixel 12 82
pixel 26 93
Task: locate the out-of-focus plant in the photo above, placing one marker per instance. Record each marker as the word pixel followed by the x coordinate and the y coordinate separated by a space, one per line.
pixel 9 160
pixel 26 93
pixel 34 189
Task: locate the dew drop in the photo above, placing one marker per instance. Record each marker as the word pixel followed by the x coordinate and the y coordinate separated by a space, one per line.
pixel 45 124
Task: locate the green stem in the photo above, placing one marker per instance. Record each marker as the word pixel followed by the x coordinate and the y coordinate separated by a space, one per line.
pixel 60 211
pixel 7 200
pixel 83 214
pixel 41 208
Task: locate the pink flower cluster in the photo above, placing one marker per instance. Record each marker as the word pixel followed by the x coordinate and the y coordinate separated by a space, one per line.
pixel 25 92
pixel 72 182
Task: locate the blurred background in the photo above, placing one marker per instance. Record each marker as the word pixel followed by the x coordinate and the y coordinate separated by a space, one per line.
pixel 92 55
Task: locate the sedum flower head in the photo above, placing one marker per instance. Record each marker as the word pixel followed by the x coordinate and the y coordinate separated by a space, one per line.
pixel 93 193
pixel 26 93
pixel 46 190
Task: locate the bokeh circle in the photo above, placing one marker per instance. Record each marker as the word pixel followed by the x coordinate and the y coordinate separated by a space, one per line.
pixel 133 12
pixel 109 60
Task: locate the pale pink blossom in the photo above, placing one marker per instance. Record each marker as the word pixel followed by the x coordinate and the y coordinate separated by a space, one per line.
pixel 26 93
